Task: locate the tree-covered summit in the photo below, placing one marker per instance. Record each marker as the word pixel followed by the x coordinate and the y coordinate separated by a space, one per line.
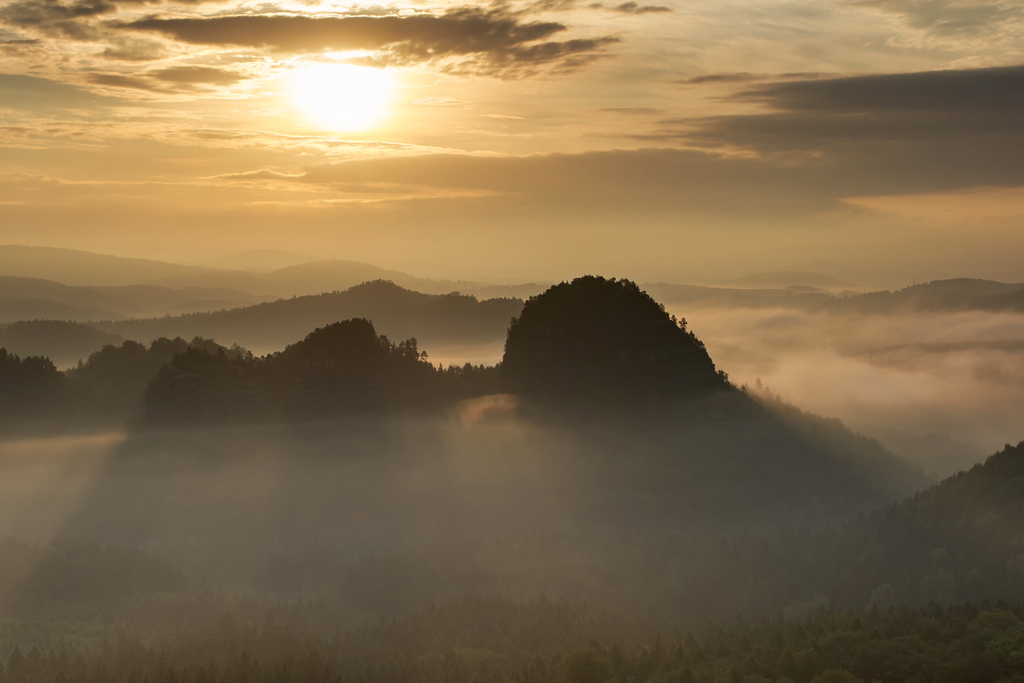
pixel 598 339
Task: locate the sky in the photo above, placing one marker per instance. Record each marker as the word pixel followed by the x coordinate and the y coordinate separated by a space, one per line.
pixel 684 140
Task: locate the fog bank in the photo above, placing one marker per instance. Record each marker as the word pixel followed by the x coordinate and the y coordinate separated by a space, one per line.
pixel 942 389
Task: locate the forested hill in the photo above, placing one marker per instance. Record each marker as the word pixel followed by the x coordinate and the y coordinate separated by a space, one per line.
pixel 960 540
pixel 396 312
pixel 940 295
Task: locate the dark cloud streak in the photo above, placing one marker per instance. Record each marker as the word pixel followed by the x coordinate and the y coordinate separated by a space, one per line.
pixel 949 18
pixel 975 90
pixel 876 135
pixel 30 93
pixel 178 79
pixel 494 42
pixel 633 8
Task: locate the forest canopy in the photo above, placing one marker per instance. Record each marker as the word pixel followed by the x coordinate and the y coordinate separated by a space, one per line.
pixel 598 339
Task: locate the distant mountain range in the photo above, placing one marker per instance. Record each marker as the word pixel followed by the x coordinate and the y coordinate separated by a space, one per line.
pixel 265 310
pixel 396 312
pixel 785 279
pixel 941 295
pixel 24 298
pixel 63 342
pixel 247 278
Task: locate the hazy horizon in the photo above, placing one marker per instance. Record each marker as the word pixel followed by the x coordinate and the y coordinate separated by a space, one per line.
pixel 529 140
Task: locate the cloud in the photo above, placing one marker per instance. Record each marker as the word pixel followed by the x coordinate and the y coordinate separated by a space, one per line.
pixel 170 80
pixel 491 42
pixel 196 75
pixel 631 111
pixel 260 174
pixel 440 101
pixel 630 182
pixel 56 18
pixel 951 18
pixel 955 107
pixel 886 134
pixel 29 93
pixel 975 90
pixel 744 77
pixel 130 49
pixel 629 7
pixel 633 8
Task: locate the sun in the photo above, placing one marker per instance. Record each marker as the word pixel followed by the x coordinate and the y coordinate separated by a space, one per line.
pixel 342 97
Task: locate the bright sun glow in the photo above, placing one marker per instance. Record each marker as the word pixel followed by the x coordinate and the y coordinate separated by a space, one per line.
pixel 342 96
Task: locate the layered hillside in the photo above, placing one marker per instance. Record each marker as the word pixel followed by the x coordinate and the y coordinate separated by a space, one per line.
pixel 396 312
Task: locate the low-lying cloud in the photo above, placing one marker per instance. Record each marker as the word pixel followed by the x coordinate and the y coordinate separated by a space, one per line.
pixel 944 389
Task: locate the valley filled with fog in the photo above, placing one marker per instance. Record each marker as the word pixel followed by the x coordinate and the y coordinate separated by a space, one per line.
pixel 410 485
pixel 943 389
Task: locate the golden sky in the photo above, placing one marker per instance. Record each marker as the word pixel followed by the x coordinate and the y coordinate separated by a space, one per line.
pixel 682 140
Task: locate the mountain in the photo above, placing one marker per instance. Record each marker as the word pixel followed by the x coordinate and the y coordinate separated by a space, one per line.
pixel 857 276
pixel 1005 301
pixel 448 487
pixel 74 267
pixel 604 341
pixel 253 276
pixel 783 279
pixel 144 301
pixel 38 309
pixel 259 260
pixel 396 312
pixel 65 343
pixel 958 541
pixel 724 297
pixel 940 295
pixel 317 277
pixel 23 298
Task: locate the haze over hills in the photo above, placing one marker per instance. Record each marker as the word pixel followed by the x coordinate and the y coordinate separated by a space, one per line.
pixel 63 342
pixel 84 268
pixel 940 295
pixel 141 312
pixel 258 260
pixel 619 427
pixel 399 313
pixel 301 276
pixel 207 288
pixel 784 279
pixel 859 340
pixel 316 277
pixel 350 479
pixel 23 298
pixel 954 542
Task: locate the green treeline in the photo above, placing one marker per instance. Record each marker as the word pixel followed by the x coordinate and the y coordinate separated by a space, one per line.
pixel 339 369
pixel 491 640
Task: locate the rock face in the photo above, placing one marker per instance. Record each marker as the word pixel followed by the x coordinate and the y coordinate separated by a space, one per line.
pixel 597 340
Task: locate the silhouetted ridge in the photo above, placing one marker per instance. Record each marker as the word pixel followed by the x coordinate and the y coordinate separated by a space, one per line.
pixel 348 367
pixel 27 383
pixel 339 369
pixel 397 312
pixel 598 339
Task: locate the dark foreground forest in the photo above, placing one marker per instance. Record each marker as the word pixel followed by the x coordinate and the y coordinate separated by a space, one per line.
pixel 602 506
